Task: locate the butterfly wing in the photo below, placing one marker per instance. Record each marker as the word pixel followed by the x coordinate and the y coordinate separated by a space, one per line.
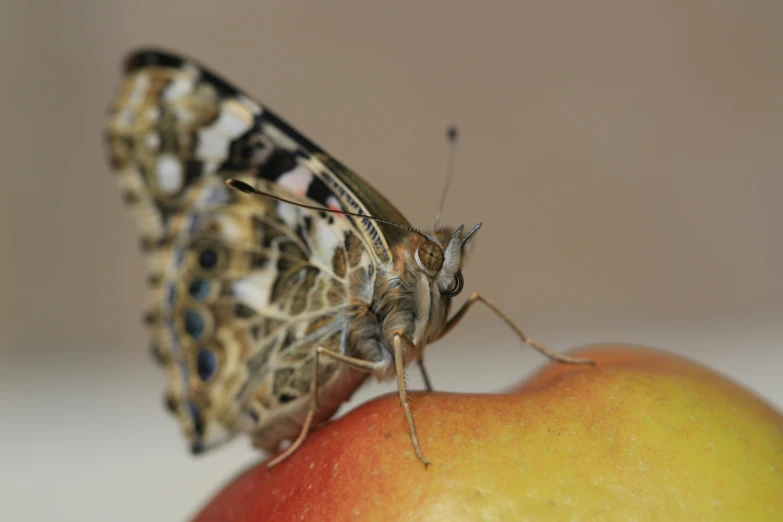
pixel 242 288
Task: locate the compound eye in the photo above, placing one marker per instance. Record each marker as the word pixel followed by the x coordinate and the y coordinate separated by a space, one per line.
pixel 458 284
pixel 429 257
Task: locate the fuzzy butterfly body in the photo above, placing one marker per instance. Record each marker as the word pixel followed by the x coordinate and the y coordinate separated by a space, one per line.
pixel 271 304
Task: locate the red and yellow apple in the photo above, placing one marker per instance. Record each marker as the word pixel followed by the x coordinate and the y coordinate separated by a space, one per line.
pixel 643 435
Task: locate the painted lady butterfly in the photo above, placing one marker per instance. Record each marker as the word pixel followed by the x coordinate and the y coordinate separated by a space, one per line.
pixel 264 306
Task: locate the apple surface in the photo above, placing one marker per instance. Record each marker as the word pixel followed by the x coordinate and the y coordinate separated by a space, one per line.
pixel 643 435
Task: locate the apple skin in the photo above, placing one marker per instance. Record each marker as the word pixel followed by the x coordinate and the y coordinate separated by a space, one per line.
pixel 643 435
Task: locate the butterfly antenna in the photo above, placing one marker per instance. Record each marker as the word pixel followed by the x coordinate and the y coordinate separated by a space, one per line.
pixel 451 137
pixel 248 189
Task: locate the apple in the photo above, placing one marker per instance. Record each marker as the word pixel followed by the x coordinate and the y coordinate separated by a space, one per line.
pixel 643 435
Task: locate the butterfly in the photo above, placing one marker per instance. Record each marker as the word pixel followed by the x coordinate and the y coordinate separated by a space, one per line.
pixel 279 279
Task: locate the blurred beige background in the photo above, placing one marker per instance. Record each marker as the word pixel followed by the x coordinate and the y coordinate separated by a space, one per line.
pixel 625 158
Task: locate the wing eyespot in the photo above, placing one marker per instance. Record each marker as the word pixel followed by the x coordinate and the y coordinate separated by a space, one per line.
pixel 194 323
pixel 208 257
pixel 199 289
pixel 206 364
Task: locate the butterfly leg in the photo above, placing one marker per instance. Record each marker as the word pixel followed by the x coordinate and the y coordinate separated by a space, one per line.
pixel 358 364
pixel 402 343
pixel 475 296
pixel 424 374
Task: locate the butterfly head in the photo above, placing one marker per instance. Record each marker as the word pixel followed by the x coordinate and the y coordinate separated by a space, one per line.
pixel 442 255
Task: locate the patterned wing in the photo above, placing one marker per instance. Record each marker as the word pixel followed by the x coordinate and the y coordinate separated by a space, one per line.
pixel 242 288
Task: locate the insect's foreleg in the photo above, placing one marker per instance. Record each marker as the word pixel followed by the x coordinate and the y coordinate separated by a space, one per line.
pixel 401 344
pixel 358 364
pixel 475 296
